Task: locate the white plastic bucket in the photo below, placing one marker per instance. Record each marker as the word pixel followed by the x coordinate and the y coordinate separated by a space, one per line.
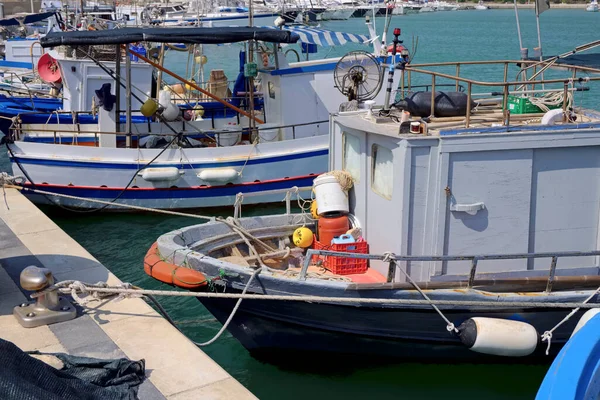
pixel 329 195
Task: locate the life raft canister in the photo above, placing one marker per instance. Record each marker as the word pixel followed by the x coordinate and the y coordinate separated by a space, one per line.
pixel 157 268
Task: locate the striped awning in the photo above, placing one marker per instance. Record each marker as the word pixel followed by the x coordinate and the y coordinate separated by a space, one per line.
pixel 325 38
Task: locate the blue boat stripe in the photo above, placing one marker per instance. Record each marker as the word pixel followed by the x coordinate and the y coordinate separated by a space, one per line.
pixel 178 193
pixel 132 166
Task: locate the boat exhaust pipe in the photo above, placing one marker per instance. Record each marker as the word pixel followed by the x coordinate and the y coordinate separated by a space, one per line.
pixel 388 93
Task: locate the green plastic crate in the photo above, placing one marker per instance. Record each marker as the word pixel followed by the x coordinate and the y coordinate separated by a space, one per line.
pixel 522 105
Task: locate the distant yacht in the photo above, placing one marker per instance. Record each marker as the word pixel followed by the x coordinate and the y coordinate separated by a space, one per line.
pixel 481 6
pixel 593 6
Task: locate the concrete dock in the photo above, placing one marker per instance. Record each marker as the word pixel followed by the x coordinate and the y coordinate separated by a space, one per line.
pixel 175 367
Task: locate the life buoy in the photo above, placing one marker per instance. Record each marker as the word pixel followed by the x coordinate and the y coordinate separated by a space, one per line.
pixel 399 48
pixel 157 268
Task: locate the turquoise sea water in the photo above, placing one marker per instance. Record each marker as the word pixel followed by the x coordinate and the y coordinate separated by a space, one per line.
pixel 120 241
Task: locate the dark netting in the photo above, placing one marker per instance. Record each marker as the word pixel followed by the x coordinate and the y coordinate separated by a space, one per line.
pixel 24 377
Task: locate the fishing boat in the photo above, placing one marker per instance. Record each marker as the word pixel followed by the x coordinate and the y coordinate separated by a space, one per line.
pixel 575 371
pixel 592 7
pixel 481 6
pixel 456 224
pixel 204 162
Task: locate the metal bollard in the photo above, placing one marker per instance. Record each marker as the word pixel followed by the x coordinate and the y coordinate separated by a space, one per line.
pixel 49 308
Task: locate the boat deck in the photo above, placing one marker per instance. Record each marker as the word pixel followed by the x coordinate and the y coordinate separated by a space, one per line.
pixel 175 367
pixel 485 120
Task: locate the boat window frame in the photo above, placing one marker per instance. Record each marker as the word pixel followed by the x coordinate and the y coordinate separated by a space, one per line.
pixel 345 135
pixel 374 152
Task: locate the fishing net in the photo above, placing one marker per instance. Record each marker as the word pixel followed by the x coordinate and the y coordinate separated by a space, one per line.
pixel 24 377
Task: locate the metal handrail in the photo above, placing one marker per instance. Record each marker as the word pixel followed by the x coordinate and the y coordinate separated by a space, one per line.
pixel 20 130
pixel 473 258
pixel 505 84
pixel 239 198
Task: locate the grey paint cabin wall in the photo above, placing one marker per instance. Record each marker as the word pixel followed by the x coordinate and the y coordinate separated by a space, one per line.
pixel 541 194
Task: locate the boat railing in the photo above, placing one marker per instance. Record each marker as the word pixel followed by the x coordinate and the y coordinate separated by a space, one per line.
pixel 393 259
pixel 17 130
pixel 522 83
pixel 239 198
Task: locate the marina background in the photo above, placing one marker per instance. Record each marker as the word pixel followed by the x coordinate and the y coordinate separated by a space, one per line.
pixel 120 241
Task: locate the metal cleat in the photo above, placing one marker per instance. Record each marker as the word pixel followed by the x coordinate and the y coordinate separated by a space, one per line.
pixel 49 308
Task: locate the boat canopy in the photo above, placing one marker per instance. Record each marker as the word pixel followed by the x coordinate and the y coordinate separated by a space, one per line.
pixel 590 60
pixel 324 37
pixel 189 35
pixel 25 19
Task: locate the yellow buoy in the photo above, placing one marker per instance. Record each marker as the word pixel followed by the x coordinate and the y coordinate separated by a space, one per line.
pixel 303 237
pixel 201 59
pixel 149 108
pixel 199 110
pixel 313 210
pixel 188 87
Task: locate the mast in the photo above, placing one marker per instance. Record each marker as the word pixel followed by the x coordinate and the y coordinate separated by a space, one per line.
pixel 251 61
pixel 540 7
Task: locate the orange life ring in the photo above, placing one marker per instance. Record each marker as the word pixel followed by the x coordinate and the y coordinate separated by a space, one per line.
pixel 399 48
pixel 182 277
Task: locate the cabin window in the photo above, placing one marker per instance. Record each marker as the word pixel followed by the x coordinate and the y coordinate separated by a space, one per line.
pixel 351 156
pixel 382 171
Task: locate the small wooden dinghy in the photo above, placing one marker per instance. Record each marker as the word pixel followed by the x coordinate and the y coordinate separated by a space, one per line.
pixel 180 276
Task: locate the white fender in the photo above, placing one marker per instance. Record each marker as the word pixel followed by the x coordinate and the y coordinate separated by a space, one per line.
pixel 218 174
pixel 161 174
pixel 589 314
pixel 500 337
pixel 552 117
pixel 171 112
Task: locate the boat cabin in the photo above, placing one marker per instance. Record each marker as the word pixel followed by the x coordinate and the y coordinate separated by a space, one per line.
pixel 489 181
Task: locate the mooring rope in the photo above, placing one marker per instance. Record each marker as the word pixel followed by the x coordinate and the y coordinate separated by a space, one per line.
pixel 227 221
pixel 389 257
pixel 547 336
pixel 235 308
pixel 66 287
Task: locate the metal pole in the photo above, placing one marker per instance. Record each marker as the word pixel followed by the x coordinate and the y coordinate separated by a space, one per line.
pixel 388 91
pixel 518 27
pixel 457 74
pixel 128 103
pixel 118 87
pixel 161 58
pixel 251 78
pixel 432 112
pixel 468 116
pixel 537 21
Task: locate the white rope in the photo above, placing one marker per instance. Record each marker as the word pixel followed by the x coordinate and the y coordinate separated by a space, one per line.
pixel 6 179
pixel 241 171
pixel 235 308
pixel 128 289
pixel 547 336
pixel 552 99
pixel 389 257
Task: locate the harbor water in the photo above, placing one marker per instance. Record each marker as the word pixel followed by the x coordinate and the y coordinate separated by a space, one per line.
pixel 120 241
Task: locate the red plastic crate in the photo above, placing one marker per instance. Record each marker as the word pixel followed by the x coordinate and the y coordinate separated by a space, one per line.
pixel 343 265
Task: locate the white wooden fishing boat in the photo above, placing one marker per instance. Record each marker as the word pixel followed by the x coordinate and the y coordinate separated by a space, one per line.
pixel 203 164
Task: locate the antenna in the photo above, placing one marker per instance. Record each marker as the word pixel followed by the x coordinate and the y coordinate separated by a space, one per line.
pixel 388 93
